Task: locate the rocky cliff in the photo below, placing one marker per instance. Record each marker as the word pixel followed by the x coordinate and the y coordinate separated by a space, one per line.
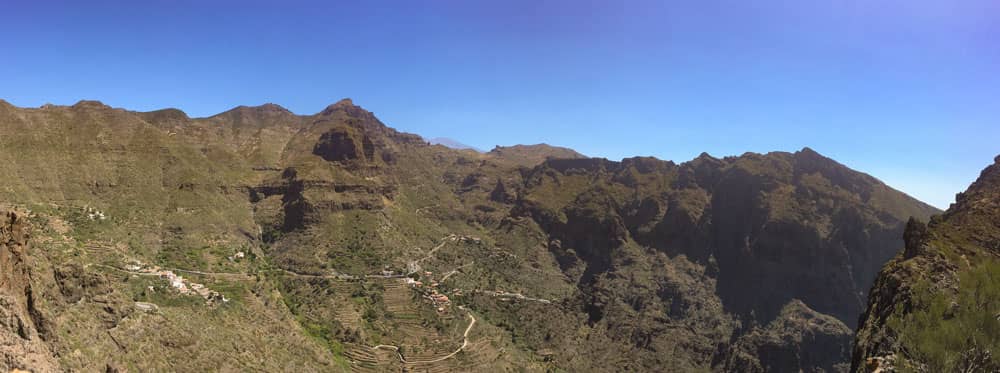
pixel 934 306
pixel 21 343
pixel 719 245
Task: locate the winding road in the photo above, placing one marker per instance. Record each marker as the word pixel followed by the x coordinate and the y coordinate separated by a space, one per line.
pixel 465 343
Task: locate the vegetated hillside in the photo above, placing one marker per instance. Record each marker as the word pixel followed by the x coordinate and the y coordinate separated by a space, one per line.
pixel 293 235
pixel 936 306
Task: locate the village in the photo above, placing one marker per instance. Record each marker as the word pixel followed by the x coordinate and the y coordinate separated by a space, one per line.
pixel 177 282
pixel 431 293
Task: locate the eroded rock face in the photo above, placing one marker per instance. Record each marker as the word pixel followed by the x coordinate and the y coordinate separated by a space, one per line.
pixel 14 238
pixel 21 345
pixel 343 143
pixel 785 237
pixel 799 340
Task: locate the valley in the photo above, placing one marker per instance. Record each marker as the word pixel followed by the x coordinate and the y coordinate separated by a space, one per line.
pixel 259 239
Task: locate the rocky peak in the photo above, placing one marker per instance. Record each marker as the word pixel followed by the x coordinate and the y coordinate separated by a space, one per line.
pixel 345 105
pixel 90 104
pixel 344 102
pixel 271 108
pixel 978 195
pixel 702 171
pixel 267 108
pixel 705 157
pixel 812 159
pixel 6 107
pixel 807 151
pixel 166 116
pixel 260 111
pixel 531 155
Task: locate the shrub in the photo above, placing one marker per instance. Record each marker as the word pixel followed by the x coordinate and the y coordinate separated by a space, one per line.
pixel 954 332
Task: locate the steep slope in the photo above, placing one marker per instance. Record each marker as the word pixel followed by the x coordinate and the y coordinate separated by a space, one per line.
pixel 800 339
pixel 108 191
pixel 719 246
pixel 525 258
pixel 934 307
pixel 21 343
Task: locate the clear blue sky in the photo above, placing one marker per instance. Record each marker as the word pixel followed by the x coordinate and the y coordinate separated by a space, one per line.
pixel 906 90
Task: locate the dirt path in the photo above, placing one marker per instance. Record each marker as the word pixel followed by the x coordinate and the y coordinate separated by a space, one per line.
pixel 454 271
pixel 218 274
pixel 307 275
pixel 444 241
pixel 338 276
pixel 240 275
pixel 465 343
pixel 122 270
pixel 518 296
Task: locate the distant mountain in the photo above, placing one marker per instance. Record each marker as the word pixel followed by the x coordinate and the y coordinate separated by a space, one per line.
pixel 298 231
pixel 452 144
pixel 530 155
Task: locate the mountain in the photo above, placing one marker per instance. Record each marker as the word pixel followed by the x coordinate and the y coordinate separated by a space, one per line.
pixel 261 239
pixel 444 141
pixel 530 155
pixel 935 306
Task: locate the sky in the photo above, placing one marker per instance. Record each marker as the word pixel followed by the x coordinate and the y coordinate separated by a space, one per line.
pixel 905 90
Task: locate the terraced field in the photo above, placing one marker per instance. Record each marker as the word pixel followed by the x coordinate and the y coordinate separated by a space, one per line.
pixel 415 346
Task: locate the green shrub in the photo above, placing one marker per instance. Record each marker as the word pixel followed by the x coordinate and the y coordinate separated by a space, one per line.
pixel 951 333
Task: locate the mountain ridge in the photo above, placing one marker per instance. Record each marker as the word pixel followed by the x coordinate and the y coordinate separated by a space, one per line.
pixel 564 262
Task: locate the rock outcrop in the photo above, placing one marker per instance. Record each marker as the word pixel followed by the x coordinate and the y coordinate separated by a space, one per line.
pixel 343 143
pixel 938 267
pixel 799 340
pixel 21 344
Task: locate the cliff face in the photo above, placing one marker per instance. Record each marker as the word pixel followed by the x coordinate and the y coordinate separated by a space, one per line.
pixel 932 308
pixel 759 233
pixel 799 339
pixel 792 225
pixel 21 344
pixel 759 262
